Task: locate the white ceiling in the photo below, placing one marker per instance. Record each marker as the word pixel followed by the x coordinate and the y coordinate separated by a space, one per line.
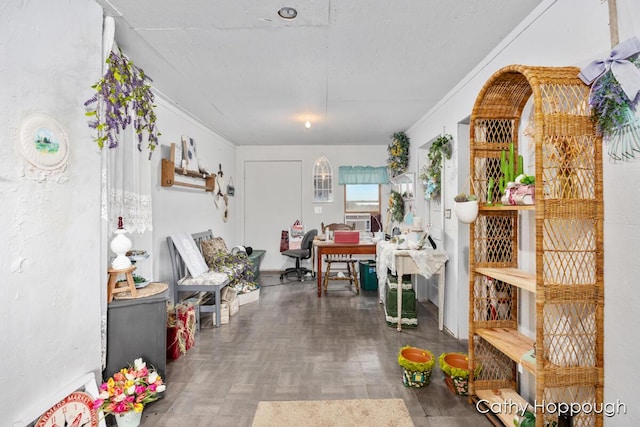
pixel 359 70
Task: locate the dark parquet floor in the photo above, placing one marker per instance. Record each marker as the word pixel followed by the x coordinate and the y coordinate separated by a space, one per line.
pixel 292 345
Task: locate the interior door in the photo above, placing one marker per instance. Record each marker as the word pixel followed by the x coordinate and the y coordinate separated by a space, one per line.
pixel 273 201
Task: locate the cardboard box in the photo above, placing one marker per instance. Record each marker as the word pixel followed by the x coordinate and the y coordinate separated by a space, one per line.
pixel 224 314
pixel 249 297
pixel 346 236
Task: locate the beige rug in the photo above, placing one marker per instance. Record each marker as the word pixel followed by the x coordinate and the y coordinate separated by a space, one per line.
pixel 333 413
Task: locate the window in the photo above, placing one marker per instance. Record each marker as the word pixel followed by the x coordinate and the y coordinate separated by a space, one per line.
pixel 362 198
pixel 322 180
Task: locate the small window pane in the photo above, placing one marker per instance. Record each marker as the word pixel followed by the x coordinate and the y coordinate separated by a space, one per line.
pixel 322 181
pixel 362 198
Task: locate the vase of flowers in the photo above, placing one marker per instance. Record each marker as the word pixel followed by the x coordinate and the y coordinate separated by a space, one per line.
pixel 127 392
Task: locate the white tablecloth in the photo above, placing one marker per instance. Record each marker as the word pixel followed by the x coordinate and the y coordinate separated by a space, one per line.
pixel 428 260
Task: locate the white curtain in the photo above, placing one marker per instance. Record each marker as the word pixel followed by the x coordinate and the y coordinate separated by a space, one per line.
pixel 127 186
pixel 125 192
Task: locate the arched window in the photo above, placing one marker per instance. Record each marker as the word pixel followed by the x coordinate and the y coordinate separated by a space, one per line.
pixel 322 180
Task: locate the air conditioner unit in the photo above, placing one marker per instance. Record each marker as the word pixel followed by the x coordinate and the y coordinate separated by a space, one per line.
pixel 361 222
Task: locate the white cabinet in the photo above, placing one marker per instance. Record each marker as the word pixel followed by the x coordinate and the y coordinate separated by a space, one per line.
pixel 405 185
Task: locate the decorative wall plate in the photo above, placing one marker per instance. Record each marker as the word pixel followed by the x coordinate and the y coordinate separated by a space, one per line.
pixel 42 142
pixel 74 410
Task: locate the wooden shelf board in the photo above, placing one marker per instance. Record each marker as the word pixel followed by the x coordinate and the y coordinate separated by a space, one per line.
pixel 507 208
pixel 506 400
pixel 512 276
pixel 510 342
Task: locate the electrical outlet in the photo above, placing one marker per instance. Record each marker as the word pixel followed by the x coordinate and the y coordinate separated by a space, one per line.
pixel 318 209
pixel 447 213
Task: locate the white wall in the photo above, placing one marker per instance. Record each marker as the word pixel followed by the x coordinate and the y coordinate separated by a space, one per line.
pixel 545 38
pixel 182 209
pixel 50 256
pixel 372 155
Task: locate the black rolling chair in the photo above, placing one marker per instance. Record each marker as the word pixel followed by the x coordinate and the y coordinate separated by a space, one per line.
pixel 299 254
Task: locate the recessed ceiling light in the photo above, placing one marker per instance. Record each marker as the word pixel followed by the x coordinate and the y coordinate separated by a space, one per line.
pixel 287 12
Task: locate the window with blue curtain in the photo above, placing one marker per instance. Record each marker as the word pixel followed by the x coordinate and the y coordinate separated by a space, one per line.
pixel 362 175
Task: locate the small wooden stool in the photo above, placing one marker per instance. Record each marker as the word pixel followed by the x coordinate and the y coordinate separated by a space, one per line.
pixel 112 287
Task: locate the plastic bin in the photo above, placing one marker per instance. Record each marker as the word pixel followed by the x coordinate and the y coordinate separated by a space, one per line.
pixel 368 277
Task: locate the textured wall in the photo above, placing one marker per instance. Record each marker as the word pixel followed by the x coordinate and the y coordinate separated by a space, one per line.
pixel 49 255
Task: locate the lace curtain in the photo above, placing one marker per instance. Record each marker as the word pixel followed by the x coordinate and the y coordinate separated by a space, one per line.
pixel 126 186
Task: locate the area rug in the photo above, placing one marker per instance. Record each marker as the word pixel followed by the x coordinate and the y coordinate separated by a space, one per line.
pixel 333 413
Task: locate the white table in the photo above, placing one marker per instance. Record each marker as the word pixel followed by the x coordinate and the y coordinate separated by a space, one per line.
pixel 424 262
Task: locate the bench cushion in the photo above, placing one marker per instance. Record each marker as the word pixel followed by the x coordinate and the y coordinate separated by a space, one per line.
pixel 208 278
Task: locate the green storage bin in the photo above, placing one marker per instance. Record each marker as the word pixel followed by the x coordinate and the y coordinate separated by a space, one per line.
pixel 368 277
pixel 408 301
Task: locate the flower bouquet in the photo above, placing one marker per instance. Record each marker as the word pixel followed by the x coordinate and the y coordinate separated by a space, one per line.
pixel 129 390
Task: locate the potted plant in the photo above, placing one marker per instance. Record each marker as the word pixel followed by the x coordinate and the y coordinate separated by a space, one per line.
pixel 455 367
pixel 127 392
pixel 466 207
pixel 416 366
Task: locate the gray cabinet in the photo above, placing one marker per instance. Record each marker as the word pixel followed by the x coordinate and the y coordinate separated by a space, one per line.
pixel 137 328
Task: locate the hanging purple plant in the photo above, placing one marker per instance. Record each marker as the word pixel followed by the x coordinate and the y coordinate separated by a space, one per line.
pixel 123 97
pixel 615 91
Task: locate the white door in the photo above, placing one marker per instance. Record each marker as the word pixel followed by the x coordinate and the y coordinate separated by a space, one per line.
pixel 273 201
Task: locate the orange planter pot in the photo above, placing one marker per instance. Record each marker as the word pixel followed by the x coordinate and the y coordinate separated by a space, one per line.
pixel 416 366
pixel 450 363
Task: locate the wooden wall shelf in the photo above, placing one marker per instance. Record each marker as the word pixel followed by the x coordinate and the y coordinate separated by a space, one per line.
pixel 169 172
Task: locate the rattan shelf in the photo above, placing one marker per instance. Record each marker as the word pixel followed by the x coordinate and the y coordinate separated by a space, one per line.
pixel 568 281
pixel 507 208
pixel 512 276
pixel 496 398
pixel 510 342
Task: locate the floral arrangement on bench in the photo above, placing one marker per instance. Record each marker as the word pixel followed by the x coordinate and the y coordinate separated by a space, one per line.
pixel 237 265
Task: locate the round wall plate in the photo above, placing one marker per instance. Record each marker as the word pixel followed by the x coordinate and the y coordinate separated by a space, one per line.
pixel 42 142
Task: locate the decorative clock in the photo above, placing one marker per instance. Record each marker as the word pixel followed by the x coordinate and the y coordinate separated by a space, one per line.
pixel 75 410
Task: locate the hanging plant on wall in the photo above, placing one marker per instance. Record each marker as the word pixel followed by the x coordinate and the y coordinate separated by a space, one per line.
pixel 430 175
pixel 396 206
pixel 615 85
pixel 398 160
pixel 123 95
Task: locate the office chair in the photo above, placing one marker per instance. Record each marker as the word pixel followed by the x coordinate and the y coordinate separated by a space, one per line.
pixel 332 259
pixel 299 254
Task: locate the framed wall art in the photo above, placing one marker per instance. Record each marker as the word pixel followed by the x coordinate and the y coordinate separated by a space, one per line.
pixel 43 143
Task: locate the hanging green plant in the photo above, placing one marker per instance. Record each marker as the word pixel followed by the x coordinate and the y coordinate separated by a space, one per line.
pixel 396 206
pixel 123 95
pixel 398 160
pixel 430 175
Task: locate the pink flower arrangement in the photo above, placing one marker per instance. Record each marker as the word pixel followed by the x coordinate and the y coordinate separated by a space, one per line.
pixel 129 390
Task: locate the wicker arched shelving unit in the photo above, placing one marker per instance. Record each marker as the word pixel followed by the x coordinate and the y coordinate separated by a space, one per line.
pixel 568 280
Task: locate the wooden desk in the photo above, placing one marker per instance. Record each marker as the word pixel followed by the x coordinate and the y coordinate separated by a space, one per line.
pixel 323 247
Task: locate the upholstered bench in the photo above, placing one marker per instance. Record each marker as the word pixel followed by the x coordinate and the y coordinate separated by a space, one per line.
pixel 220 269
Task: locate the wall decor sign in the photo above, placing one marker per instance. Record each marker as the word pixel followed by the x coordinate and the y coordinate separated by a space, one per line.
pixel 43 143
